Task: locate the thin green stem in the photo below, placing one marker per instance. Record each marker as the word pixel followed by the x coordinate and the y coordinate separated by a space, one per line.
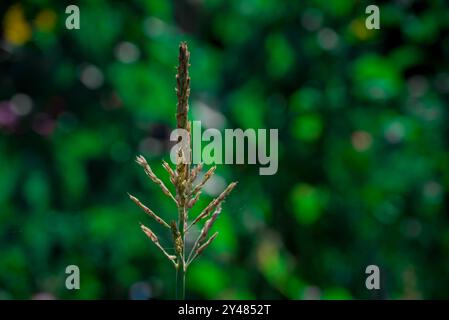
pixel 180 282
pixel 181 268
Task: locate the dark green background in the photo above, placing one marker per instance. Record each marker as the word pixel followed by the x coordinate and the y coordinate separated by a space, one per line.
pixel 363 155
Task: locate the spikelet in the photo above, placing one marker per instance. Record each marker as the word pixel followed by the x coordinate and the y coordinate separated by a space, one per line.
pixel 195 171
pixel 209 223
pixel 203 234
pixel 170 171
pixel 144 164
pixel 214 203
pixel 149 211
pixel 206 177
pixel 179 246
pixel 194 200
pixel 150 234
pixel 183 86
pixel 205 245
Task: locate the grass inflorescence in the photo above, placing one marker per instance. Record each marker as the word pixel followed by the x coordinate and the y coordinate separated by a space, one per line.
pixel 187 192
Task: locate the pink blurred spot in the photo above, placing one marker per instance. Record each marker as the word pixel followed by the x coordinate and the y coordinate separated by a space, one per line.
pixel 361 140
pixel 43 124
pixel 112 101
pixel 7 117
pixel 43 296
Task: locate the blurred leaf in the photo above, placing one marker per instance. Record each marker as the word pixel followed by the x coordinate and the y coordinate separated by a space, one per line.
pixel 308 203
pixel 280 55
pixel 376 78
pixel 307 127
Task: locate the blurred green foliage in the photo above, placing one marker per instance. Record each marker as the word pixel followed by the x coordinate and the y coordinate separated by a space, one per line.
pixel 363 162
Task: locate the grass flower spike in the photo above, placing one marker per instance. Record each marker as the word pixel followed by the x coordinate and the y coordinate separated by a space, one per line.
pixel 187 193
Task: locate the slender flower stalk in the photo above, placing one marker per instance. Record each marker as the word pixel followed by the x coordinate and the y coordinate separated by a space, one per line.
pixel 186 193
